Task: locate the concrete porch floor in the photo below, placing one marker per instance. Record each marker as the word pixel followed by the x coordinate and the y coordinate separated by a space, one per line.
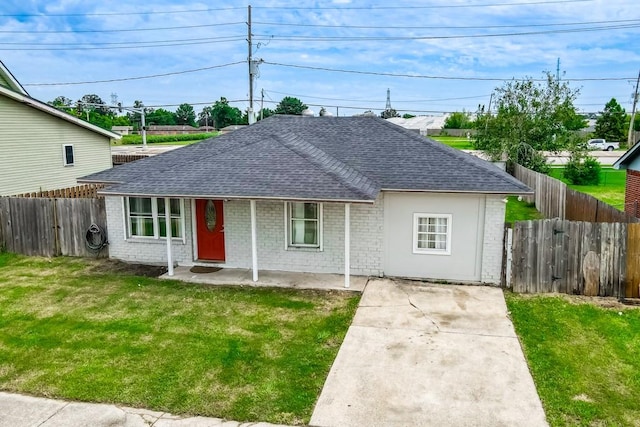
pixel 267 278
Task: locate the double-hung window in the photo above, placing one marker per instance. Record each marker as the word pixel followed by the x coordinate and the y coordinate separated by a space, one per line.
pixel 304 224
pixel 68 155
pixel 146 217
pixel 432 233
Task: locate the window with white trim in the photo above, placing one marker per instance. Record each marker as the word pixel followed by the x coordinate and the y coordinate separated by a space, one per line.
pixel 431 233
pixel 68 158
pixel 146 217
pixel 304 224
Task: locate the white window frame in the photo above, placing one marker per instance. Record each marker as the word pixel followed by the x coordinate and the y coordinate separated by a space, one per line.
pixel 416 249
pixel 156 221
pixel 287 228
pixel 64 154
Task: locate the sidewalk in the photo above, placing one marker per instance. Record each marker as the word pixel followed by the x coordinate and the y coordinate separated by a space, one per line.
pixel 25 411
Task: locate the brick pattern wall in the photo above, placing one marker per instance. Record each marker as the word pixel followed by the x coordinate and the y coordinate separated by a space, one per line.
pixel 366 239
pixel 632 193
pixel 145 250
pixel 492 246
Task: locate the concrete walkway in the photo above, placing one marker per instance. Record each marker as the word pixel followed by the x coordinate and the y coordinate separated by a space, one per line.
pixel 26 411
pixel 429 355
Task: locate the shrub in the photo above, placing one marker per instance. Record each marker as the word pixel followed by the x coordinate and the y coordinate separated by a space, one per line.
pixel 151 139
pixel 582 169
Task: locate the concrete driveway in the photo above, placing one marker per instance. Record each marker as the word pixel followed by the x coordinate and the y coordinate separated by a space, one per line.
pixel 429 355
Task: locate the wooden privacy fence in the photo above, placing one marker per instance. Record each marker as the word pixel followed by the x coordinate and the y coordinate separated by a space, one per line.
pixel 77 192
pixel 574 257
pixel 51 227
pixel 555 200
pixel 120 159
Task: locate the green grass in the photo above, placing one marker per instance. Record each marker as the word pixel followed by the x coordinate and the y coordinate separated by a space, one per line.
pixel 460 143
pixel 610 190
pixel 521 210
pixel 181 139
pixel 583 358
pixel 69 328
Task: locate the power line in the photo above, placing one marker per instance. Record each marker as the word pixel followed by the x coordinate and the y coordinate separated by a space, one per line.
pixel 117 31
pixel 201 39
pixel 163 12
pixel 458 36
pixel 444 6
pixel 440 27
pixel 418 76
pixel 136 78
pixel 167 44
pixel 377 100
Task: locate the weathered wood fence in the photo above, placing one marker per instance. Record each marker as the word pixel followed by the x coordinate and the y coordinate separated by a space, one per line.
pixel 51 227
pixel 120 159
pixel 555 200
pixel 77 192
pixel 574 257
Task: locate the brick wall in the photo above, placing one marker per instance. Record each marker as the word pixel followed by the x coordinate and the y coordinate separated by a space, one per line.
pixel 492 246
pixel 632 193
pixel 366 239
pixel 145 250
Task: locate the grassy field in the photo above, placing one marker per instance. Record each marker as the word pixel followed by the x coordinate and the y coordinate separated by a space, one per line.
pixel 610 190
pixel 460 143
pixel 80 330
pixel 583 358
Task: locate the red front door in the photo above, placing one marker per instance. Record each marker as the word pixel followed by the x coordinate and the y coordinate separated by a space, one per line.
pixel 210 229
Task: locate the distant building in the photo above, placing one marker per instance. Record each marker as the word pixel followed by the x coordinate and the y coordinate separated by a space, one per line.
pixel 425 125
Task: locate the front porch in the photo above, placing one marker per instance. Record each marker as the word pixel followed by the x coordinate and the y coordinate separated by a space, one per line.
pixel 269 278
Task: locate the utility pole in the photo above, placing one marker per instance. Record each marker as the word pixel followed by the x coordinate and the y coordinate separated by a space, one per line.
pixel 558 70
pixel 261 104
pixel 251 67
pixel 631 140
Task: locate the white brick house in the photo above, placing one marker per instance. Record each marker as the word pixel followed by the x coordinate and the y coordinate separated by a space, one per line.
pixel 329 195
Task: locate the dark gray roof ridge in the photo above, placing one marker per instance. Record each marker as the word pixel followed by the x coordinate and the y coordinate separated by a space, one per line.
pixel 345 174
pixel 464 157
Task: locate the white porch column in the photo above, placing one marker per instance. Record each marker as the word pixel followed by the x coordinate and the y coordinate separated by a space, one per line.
pixel 254 241
pixel 167 218
pixel 347 245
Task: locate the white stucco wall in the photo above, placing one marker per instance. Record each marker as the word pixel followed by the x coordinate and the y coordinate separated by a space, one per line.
pixel 472 258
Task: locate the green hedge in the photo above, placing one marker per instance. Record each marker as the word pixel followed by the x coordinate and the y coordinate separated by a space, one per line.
pixel 137 139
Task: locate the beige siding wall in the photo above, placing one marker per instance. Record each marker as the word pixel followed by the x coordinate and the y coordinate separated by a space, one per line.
pixel 32 155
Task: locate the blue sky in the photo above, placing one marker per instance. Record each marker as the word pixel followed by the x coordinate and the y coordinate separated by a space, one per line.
pixel 434 56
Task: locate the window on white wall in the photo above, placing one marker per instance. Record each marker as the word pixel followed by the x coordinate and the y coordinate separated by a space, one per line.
pixel 432 233
pixel 68 155
pixel 146 217
pixel 304 224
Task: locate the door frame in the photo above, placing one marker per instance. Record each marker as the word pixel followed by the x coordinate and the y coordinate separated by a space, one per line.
pixel 194 233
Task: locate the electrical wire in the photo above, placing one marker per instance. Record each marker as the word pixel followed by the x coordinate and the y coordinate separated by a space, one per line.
pixel 419 76
pixel 138 77
pixel 168 44
pixel 183 27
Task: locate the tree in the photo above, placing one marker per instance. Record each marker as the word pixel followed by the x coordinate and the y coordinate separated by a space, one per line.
pixel 161 117
pixel 204 118
pixel 610 124
pixel 264 113
pixel 458 120
pixel 62 103
pixel 185 115
pixel 94 102
pixel 408 116
pixel 290 105
pixel 387 114
pixel 530 117
pixel 224 114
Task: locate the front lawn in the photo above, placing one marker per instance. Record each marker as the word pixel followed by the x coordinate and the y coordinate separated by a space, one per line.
pixel 610 190
pixel 583 357
pixel 80 330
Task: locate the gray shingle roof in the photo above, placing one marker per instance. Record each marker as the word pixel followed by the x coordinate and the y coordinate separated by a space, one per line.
pixel 319 158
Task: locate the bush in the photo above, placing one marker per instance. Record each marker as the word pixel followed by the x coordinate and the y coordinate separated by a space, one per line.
pixel 582 169
pixel 151 139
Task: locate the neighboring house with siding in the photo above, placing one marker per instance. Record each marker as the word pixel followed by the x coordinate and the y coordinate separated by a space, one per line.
pixel 354 195
pixel 44 148
pixel 631 162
